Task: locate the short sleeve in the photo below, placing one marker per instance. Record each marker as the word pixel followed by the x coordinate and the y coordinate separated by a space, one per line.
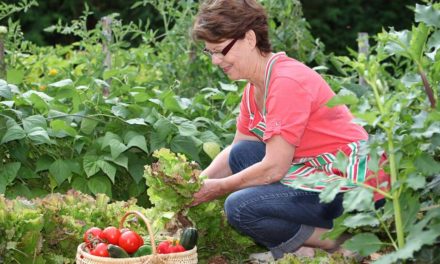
pixel 243 118
pixel 288 108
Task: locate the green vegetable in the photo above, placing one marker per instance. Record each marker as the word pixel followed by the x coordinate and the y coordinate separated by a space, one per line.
pixel 143 251
pixel 188 238
pixel 117 252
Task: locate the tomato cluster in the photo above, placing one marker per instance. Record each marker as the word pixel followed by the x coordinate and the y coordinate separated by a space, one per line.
pixel 169 246
pixel 97 240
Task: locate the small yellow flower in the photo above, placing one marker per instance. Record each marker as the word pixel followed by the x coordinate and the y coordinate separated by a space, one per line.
pixel 42 87
pixel 53 72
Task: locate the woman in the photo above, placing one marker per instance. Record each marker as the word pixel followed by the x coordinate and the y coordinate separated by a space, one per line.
pixel 284 131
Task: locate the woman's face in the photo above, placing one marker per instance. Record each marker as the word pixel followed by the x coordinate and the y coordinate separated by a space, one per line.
pixel 228 55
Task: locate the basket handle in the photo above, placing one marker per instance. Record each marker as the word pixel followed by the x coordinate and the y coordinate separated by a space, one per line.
pixel 149 229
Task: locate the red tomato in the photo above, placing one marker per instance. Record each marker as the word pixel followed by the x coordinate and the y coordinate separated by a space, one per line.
pixel 100 250
pixel 177 248
pixel 164 247
pixel 129 241
pixel 111 234
pixel 91 236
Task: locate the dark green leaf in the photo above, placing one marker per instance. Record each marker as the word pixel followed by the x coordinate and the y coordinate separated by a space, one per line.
pixel 8 172
pixel 427 14
pixel 100 184
pixel 60 171
pixel 364 243
pixel 39 135
pixel 108 169
pixel 359 199
pixel 186 145
pixel 90 164
pixel 427 164
pixel 361 219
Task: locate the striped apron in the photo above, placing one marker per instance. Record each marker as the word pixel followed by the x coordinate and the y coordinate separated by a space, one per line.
pixel 356 170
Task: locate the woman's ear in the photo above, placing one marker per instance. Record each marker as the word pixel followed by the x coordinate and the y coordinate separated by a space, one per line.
pixel 251 38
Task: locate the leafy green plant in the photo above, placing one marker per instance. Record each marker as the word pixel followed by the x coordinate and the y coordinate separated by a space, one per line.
pixel 172 181
pixel 395 110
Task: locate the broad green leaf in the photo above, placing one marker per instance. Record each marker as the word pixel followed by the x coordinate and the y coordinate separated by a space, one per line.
pixel 428 15
pixel 410 207
pixel 61 127
pixel 15 76
pixel 109 136
pixel 212 149
pixel 120 111
pixel 136 166
pixel 186 145
pixel 187 129
pixel 171 103
pixel 342 100
pixel 427 164
pixel 90 164
pixel 364 244
pixel 358 199
pixel 34 121
pixel 43 163
pixel 398 43
pixel 27 173
pixel 80 184
pixel 39 135
pixel 60 171
pixel 121 160
pixel 164 127
pixel 413 244
pixel 117 147
pixel 228 87
pixel 108 169
pixel 361 219
pixel 419 37
pixel 416 182
pixel 136 189
pixel 8 172
pixel 433 45
pixel 61 83
pixel 100 184
pixel 329 193
pixel 88 125
pixel 39 103
pixel 14 132
pixel 5 90
pixel 136 140
pixel 136 121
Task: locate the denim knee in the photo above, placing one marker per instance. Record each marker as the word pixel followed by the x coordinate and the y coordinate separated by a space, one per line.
pixel 232 214
pixel 245 153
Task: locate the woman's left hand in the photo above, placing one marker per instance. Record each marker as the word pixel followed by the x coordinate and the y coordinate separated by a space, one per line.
pixel 210 190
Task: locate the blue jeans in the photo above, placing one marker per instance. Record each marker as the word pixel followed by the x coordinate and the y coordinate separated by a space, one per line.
pixel 277 216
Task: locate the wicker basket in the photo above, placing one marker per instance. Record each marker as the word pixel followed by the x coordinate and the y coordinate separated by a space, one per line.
pixel 186 257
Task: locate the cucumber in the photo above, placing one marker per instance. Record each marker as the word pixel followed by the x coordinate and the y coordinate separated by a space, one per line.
pixel 143 251
pixel 188 238
pixel 117 252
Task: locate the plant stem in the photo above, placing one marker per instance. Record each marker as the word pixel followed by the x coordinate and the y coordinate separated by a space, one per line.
pixel 396 193
pixel 428 88
pixel 393 168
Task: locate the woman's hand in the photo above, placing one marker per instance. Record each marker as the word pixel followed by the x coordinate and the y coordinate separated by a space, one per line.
pixel 210 190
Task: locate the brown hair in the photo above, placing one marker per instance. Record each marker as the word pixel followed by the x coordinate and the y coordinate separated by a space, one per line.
pixel 231 19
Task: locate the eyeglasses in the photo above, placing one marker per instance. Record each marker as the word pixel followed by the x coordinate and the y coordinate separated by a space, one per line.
pixel 223 52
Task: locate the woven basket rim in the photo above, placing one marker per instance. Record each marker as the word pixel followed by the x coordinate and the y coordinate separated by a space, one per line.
pixel 169 255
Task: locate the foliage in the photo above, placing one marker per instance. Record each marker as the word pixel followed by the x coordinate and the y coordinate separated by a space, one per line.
pixel 399 108
pixel 48 230
pixel 171 182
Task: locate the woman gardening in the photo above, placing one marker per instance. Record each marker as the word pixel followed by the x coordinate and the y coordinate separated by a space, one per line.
pixel 284 132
